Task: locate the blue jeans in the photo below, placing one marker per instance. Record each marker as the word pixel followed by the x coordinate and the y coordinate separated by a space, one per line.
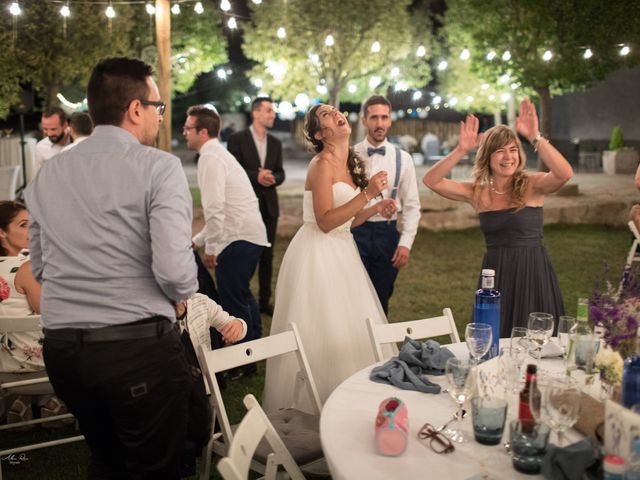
pixel 377 242
pixel 236 265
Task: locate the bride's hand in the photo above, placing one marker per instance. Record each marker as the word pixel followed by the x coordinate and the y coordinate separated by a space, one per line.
pixel 377 183
pixel 386 207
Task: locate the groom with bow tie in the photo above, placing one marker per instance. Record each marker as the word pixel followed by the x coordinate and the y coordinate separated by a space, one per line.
pixel 383 249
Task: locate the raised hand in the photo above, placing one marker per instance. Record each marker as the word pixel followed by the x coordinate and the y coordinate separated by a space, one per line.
pixel 469 137
pixel 377 183
pixel 527 121
pixel 386 207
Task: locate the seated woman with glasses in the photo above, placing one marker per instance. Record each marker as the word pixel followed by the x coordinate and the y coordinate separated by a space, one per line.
pixel 21 353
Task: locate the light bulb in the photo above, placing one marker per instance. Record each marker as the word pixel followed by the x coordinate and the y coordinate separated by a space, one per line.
pixel 150 8
pixel 465 54
pixel 175 9
pixel 421 51
pixel 625 50
pixel 14 9
pixel 232 24
pixel 64 11
pixel 491 55
pixel 375 47
pixel 547 55
pixel 329 41
pixel 588 54
pixel 225 6
pixel 281 32
pixel 506 56
pixel 110 12
pixel 198 8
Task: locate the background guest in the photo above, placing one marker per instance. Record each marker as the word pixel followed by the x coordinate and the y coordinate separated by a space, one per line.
pixel 55 127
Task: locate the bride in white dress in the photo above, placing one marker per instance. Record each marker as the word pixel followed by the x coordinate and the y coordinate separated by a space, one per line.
pixel 322 285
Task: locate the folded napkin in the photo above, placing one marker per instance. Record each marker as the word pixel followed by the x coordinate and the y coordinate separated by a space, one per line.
pixel 551 349
pixel 591 417
pixel 408 370
pixel 569 463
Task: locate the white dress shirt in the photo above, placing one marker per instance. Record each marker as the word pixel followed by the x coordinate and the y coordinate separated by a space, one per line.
pixel 231 210
pixel 45 149
pixel 407 198
pixel 75 143
pixel 261 145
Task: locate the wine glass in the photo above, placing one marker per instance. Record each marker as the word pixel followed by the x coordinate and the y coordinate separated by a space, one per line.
pixel 460 380
pixel 539 330
pixel 511 360
pixel 478 337
pixel 565 322
pixel 519 337
pixel 557 404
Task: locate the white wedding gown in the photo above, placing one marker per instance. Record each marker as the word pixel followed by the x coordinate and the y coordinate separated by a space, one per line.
pixel 322 287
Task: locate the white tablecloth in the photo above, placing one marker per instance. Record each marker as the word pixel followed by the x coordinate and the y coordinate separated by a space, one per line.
pixel 10 154
pixel 347 433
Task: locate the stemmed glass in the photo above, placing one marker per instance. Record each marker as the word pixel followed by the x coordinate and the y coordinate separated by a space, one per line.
pixel 510 360
pixel 558 404
pixel 478 337
pixel 461 384
pixel 519 337
pixel 565 323
pixel 539 330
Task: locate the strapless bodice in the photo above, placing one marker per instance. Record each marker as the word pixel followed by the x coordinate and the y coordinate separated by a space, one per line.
pixel 512 228
pixel 342 193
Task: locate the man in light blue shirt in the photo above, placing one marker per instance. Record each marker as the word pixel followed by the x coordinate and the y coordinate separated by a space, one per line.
pixel 110 243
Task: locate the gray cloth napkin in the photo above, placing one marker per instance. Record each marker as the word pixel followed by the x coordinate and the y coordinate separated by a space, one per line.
pixel 569 463
pixel 408 370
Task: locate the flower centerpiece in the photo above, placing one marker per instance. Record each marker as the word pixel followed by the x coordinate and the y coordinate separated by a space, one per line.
pixel 614 310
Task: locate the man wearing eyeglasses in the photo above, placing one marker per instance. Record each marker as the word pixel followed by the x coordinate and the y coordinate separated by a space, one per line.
pixel 233 236
pixel 110 243
pixel 383 249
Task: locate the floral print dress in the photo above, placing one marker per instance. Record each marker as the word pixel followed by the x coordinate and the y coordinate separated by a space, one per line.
pixel 19 352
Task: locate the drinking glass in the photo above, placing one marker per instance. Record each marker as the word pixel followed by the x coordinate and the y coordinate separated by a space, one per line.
pixel 558 404
pixel 565 322
pixel 519 337
pixel 461 381
pixel 539 330
pixel 478 337
pixel 510 361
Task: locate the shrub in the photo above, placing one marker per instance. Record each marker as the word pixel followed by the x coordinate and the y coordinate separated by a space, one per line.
pixel 617 140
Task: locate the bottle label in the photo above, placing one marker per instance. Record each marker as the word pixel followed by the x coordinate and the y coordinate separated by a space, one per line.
pixel 487 282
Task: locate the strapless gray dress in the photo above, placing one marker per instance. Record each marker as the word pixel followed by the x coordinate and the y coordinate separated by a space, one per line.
pixel 525 276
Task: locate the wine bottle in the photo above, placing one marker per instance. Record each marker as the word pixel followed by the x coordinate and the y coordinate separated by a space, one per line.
pixel 524 408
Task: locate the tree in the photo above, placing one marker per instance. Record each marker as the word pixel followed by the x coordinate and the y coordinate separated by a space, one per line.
pixel 528 28
pixel 306 60
pixel 52 61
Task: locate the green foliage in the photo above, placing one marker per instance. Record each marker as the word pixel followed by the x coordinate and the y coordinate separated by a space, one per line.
pixel 617 141
pixel 54 61
pixel 301 61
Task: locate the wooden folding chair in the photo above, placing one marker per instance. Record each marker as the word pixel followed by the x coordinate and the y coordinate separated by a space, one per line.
pixel 19 324
pixel 299 431
pixel 634 255
pixel 252 429
pixel 384 333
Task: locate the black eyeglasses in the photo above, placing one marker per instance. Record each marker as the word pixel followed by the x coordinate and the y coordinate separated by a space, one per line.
pixel 160 106
pixel 442 442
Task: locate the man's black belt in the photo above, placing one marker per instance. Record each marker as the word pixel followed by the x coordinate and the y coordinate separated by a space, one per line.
pixel 149 327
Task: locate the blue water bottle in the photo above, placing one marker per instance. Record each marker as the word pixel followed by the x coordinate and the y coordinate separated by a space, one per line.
pixel 487 309
pixel 631 377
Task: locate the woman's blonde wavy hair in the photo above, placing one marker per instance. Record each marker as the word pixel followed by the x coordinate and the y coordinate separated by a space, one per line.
pixel 493 139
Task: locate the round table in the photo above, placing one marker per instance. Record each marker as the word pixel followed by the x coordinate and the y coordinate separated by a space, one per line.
pixel 347 432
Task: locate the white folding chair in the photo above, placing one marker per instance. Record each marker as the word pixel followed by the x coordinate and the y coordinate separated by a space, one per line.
pixel 19 324
pixel 299 431
pixel 633 256
pixel 252 429
pixel 9 182
pixel 382 333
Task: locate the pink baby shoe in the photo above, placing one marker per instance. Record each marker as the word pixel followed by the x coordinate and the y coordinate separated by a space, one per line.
pixel 392 427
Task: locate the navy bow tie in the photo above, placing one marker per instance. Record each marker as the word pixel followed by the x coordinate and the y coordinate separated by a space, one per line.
pixel 379 150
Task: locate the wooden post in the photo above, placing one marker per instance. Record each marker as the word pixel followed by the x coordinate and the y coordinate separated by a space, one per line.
pixel 163 44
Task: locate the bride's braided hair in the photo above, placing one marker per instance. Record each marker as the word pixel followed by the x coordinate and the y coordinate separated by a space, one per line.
pixel 354 163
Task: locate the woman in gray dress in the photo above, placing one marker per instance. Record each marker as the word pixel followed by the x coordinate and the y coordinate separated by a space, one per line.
pixel 509 202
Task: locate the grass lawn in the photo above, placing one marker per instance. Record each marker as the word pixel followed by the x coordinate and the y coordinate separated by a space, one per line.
pixel 443 272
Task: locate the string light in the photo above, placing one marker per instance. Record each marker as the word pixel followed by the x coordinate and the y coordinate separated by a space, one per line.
pixel 302 101
pixel 443 65
pixel 465 54
pixel 258 82
pixel 14 9
pixel 587 54
pixel 453 101
pixel 246 99
pixel 64 10
pixel 222 75
pixel 110 12
pixel 175 8
pixel 232 24
pixel 352 88
pixel 329 41
pixel 150 8
pixel 374 82
pixel 505 97
pixel 421 51
pixel 506 56
pixel 225 6
pixel 199 9
pixel 547 55
pixel 322 89
pixel 375 47
pixel 400 87
pixel 257 2
pixel 625 50
pixel 395 71
pixel 417 95
pixel 491 55
pixel 281 33
pixel 436 100
pixel 469 98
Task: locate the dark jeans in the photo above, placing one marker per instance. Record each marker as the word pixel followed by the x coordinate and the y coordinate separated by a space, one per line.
pixel 377 242
pixel 236 265
pixel 131 400
pixel 265 270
